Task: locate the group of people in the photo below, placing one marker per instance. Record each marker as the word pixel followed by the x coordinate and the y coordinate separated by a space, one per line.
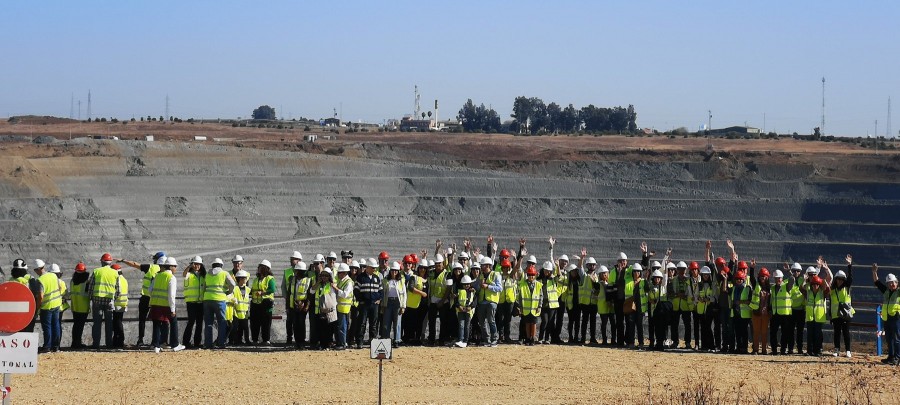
pixel 724 305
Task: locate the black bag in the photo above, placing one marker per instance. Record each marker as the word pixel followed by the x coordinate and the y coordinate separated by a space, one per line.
pixel 845 311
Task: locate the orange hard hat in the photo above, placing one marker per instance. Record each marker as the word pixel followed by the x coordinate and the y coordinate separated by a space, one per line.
pixel 504 253
pixel 80 268
pixel 816 280
pixel 740 275
pixel 505 263
pixel 531 271
pixel 106 257
pixel 764 273
pixel 694 266
pixel 116 266
pixel 383 256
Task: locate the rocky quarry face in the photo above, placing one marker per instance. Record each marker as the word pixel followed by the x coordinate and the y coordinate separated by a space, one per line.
pixel 217 201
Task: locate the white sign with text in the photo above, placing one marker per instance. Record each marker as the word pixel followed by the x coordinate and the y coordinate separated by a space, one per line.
pixel 18 353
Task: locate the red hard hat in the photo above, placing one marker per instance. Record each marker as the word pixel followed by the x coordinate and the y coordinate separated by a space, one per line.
pixel 764 273
pixel 80 268
pixel 694 266
pixel 414 257
pixel 383 256
pixel 116 266
pixel 816 280
pixel 740 275
pixel 531 271
pixel 742 265
pixel 407 259
pixel 106 257
pixel 505 263
pixel 720 261
pixel 504 253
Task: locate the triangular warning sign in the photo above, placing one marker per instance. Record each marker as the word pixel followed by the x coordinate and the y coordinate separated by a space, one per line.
pixel 381 349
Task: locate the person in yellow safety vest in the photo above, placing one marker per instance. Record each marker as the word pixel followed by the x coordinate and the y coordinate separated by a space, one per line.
pixel 417 305
pixel 81 304
pixel 54 268
pixel 574 275
pixel 262 303
pixel 550 307
pixel 162 307
pixel 120 307
pixel 194 275
pixel 529 304
pixel 707 307
pixel 563 288
pixel 237 264
pixel 761 310
pixel 682 302
pixel 587 299
pixel 740 311
pixel 149 270
pixel 781 307
pixel 239 302
pixel 438 303
pixel 510 274
pixel 325 310
pixel 841 306
pixel 660 306
pixel 104 289
pixel 622 278
pixel 641 303
pixel 297 303
pixel 798 309
pixel 343 290
pixel 50 303
pixel 295 258
pixel 815 313
pixel 20 275
pixel 464 303
pixel 217 285
pixel 489 286
pixel 890 314
pixel 604 304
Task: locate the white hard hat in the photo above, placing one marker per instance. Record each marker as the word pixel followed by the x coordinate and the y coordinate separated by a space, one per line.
pixel 463 255
pixel 197 259
pixel 394 266
pixel 705 270
pixel 475 265
pixel 812 270
pixel 332 255
pixel 622 256
pixel 319 258
pixel 423 263
pixel 796 266
pixel 779 274
pixel 841 274
pixel 657 265
pixel 19 264
pixel 439 258
pixel 328 272
pixel 38 263
pixel 564 258
pixel 466 280
pixel 604 269
pixel 590 260
pixel 218 261
pixel 372 262
pixel 680 265
pixel 237 258
pixel 301 266
pixel 354 263
pixel 456 265
pixel 891 278
pixel 170 261
pixel 296 255
pixel 572 267
pixel 430 263
pixel 343 268
pixel 54 268
pixel 242 274
pixel 487 261
pixel 637 267
pixel 162 260
pixel 671 265
pixel 548 265
pixel 531 259
pixel 479 257
pixel 656 273
pixel 265 263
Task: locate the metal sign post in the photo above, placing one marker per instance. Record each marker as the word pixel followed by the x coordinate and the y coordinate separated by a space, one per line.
pixel 4 390
pixel 380 349
pixel 18 350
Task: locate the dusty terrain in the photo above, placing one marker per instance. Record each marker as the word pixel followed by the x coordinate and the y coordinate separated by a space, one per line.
pixel 508 374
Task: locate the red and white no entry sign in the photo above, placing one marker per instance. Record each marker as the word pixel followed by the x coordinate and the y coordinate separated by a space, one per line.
pixel 16 307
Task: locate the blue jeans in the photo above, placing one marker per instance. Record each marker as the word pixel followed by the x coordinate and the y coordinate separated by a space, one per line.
pixel 51 327
pixel 102 316
pixel 165 331
pixel 214 310
pixel 342 329
pixel 487 312
pixel 463 319
pixel 391 316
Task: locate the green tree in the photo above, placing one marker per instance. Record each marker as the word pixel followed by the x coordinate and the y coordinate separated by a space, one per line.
pixel 264 112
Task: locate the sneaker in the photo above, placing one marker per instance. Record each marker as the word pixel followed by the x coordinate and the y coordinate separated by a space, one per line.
pixel 836 353
pixel 178 348
pixel 494 344
pixel 848 354
pixel 460 344
pixel 156 350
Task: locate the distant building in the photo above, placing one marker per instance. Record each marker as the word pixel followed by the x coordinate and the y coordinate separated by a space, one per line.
pixel 735 130
pixel 409 124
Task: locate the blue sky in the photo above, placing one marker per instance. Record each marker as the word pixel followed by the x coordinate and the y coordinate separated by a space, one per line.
pixel 672 60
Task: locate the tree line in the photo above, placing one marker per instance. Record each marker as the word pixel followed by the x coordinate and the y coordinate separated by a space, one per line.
pixel 532 116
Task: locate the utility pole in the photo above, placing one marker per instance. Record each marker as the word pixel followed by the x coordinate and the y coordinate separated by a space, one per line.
pixel 887 132
pixel 89 105
pixel 822 127
pixel 167 108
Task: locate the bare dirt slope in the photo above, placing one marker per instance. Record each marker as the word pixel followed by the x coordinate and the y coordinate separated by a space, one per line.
pixel 504 375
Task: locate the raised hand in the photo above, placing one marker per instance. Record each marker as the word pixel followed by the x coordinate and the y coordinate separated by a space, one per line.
pixel 552 241
pixel 424 253
pixel 467 244
pixel 522 242
pixel 524 252
pixel 708 244
pixel 583 252
pixel 730 244
pixel 644 247
pixel 490 239
pixel 753 262
pixel 786 266
pixel 438 244
pixel 820 261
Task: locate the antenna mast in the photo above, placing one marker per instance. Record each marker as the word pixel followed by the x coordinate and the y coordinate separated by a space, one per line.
pixel 166 118
pixel 89 105
pixel 416 113
pixel 887 133
pixel 822 126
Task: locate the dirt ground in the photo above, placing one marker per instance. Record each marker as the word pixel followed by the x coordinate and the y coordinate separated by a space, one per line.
pixel 507 374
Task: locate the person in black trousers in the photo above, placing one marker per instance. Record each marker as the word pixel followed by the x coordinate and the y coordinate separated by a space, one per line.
pixel 840 300
pixel 368 290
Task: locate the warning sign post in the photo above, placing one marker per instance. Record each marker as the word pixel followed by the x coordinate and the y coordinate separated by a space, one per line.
pixel 18 351
pixel 380 349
